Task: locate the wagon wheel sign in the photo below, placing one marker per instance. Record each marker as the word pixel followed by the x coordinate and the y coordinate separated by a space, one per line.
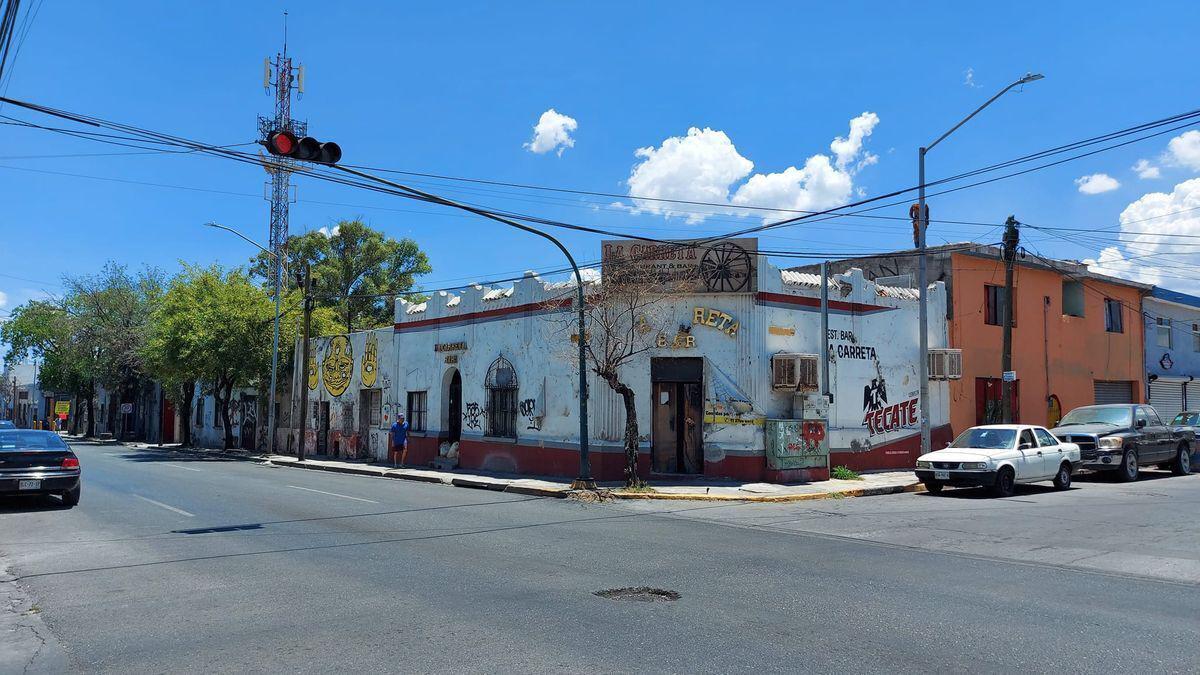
pixel 725 268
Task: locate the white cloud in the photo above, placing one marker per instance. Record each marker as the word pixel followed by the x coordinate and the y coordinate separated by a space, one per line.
pixel 1145 170
pixel 704 166
pixel 969 78
pixel 329 233
pixel 698 167
pixel 1184 150
pixel 552 131
pixel 3 299
pixel 847 149
pixel 1151 258
pixel 1097 183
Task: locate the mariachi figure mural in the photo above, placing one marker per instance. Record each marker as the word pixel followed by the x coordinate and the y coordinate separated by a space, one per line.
pixel 370 361
pixel 338 367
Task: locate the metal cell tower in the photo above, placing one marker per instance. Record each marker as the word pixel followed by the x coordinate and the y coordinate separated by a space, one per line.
pixel 281 76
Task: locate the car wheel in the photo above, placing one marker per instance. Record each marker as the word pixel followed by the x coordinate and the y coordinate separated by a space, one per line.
pixel 1128 471
pixel 71 497
pixel 1006 483
pixel 1183 461
pixel 1062 479
pixel 933 487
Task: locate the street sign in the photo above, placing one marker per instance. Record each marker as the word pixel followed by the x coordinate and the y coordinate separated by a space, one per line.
pixel 1010 376
pixel 62 408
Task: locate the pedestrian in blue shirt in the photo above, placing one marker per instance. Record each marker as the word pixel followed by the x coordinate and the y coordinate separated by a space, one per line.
pixel 399 439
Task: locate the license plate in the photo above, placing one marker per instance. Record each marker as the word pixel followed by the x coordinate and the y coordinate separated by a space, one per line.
pixel 29 485
pixel 941 475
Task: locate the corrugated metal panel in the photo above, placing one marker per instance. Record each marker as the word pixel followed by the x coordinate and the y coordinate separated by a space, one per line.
pixel 1192 395
pixel 1114 392
pixel 606 411
pixel 1167 398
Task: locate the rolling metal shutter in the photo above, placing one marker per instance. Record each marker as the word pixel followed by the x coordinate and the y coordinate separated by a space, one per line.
pixel 1192 398
pixel 1167 398
pixel 1114 392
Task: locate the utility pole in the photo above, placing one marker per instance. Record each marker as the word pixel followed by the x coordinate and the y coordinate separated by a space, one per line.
pixel 1012 237
pixel 308 309
pixel 280 75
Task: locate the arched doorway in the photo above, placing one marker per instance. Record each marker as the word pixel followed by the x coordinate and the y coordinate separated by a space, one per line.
pixel 454 408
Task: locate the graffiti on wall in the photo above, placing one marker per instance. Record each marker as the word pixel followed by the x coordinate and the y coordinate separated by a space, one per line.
pixel 528 409
pixel 875 395
pixel 338 367
pixel 370 361
pixel 472 415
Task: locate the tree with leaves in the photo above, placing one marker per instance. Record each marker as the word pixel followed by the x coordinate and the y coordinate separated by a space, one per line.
pixel 214 327
pixel 44 330
pixel 357 271
pixel 625 314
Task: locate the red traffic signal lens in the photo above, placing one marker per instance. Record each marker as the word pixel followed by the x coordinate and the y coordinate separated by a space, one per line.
pixel 281 143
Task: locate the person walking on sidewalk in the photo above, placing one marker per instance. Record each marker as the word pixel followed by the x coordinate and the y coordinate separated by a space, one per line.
pixel 399 439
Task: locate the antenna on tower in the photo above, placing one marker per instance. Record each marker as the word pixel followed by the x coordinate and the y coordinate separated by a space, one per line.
pixel 285 32
pixel 266 74
pixel 300 80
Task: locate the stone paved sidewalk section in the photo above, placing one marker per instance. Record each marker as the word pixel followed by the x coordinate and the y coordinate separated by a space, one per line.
pixel 686 489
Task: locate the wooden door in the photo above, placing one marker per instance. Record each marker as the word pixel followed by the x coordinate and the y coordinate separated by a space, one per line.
pixel 168 421
pixel 664 454
pixel 691 418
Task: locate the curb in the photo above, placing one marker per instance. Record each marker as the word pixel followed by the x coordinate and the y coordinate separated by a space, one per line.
pixel 776 499
pixel 557 493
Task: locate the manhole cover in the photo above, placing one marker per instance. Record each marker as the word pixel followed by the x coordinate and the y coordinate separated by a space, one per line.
pixel 639 594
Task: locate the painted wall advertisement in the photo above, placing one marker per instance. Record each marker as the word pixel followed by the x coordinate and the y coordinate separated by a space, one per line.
pixel 722 266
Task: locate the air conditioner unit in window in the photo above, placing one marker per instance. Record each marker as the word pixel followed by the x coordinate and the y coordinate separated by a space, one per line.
pixel 795 372
pixel 945 364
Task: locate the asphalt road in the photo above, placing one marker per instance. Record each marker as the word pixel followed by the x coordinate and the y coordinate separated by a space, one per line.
pixel 176 563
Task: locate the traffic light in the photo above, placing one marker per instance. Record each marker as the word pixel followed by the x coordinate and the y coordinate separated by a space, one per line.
pixel 307 149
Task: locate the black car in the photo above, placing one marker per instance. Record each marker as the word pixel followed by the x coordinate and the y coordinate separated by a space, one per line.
pixel 38 463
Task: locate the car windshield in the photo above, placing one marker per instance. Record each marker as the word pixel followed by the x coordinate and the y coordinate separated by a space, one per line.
pixel 1186 419
pixel 1118 417
pixel 7 424
pixel 13 440
pixel 987 439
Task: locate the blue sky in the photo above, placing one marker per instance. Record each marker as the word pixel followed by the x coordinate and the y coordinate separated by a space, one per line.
pixel 456 88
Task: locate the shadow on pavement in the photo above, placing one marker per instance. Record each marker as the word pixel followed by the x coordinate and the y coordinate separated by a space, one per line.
pixel 986 493
pixel 30 504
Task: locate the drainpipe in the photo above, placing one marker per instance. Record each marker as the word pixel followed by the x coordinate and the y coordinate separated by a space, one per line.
pixel 825 329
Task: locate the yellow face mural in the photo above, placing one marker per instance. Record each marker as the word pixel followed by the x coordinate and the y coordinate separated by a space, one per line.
pixel 370 361
pixel 338 367
pixel 313 376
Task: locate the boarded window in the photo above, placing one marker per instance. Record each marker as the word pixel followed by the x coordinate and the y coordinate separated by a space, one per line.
pixel 376 407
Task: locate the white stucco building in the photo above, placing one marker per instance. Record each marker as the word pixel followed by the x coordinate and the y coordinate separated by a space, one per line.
pixel 493 370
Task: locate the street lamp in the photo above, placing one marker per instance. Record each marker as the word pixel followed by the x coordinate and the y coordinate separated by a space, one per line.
pixel 922 272
pixel 275 339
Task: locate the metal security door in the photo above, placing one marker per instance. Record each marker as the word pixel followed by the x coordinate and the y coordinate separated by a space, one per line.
pixel 323 429
pixel 1114 392
pixel 1167 398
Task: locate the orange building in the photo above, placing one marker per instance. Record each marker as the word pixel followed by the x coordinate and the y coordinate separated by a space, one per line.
pixel 1077 336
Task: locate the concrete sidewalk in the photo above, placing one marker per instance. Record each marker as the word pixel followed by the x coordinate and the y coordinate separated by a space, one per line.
pixel 682 489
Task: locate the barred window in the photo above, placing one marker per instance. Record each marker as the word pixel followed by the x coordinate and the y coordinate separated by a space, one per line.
pixel 501 386
pixel 418 402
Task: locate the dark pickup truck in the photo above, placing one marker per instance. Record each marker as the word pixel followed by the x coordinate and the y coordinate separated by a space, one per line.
pixel 1124 437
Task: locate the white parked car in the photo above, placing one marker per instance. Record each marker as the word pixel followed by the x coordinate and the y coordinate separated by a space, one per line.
pixel 999 456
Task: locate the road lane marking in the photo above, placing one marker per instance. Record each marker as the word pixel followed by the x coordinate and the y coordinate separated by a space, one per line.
pixel 166 506
pixel 178 466
pixel 114 454
pixel 334 494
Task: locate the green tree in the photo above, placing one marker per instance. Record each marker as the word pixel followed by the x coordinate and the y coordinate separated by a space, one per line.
pixel 214 326
pixel 357 271
pixel 110 314
pixel 47 331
